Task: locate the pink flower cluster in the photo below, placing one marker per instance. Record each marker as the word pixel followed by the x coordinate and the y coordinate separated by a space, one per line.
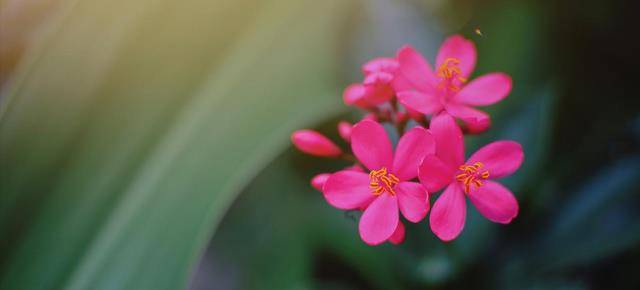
pixel 423 106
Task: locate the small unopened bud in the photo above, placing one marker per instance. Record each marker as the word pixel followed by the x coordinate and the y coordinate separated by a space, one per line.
pixel 354 95
pixel 318 181
pixel 314 143
pixel 378 78
pixel 381 64
pixel 478 126
pixel 344 128
pixel 370 116
pixel 413 114
pixel 402 117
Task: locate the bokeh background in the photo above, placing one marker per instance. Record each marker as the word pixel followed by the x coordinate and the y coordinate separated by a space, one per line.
pixel 144 144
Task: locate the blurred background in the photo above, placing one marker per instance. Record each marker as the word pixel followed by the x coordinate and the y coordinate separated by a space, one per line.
pixel 145 144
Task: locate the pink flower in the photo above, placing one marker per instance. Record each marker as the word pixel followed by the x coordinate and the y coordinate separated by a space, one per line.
pixel 386 188
pixel 472 178
pixel 314 143
pixel 447 88
pixel 377 85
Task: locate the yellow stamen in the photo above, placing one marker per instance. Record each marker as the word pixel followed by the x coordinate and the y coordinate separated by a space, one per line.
pixel 450 71
pixel 381 181
pixel 471 175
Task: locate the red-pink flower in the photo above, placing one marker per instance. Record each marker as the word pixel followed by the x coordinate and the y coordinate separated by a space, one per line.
pixel 376 87
pixel 447 88
pixel 386 188
pixel 472 178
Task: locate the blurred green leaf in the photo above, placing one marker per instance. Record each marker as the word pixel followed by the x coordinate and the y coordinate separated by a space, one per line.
pixel 130 129
pixel 597 221
pixel 531 126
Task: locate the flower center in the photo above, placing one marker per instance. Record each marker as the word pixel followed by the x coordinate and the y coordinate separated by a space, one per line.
pixel 472 175
pixel 450 74
pixel 381 181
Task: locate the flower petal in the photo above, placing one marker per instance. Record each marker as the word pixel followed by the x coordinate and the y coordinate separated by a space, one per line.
pixel 448 214
pixel 426 103
pixel 354 167
pixel 354 95
pixel 475 120
pixel 371 145
pixel 415 68
pixel 398 236
pixel 500 158
pixel 485 90
pixel 380 64
pixel 401 83
pixel 318 181
pixel 344 128
pixel 434 174
pixel 495 202
pixel 379 220
pixel 376 78
pixel 347 189
pixel 377 93
pixel 412 147
pixel 413 200
pixel 448 137
pixel 461 49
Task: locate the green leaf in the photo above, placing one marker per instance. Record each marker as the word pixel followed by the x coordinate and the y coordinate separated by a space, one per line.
pixel 131 129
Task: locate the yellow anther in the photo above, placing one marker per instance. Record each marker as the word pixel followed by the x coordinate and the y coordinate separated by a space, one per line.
pixel 472 175
pixel 450 71
pixel 381 181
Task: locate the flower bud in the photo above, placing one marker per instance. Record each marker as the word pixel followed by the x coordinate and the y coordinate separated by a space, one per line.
pixel 402 117
pixel 377 89
pixel 413 114
pixel 370 116
pixel 380 64
pixel 314 143
pixel 378 78
pixel 354 95
pixel 318 181
pixel 478 126
pixel 344 128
